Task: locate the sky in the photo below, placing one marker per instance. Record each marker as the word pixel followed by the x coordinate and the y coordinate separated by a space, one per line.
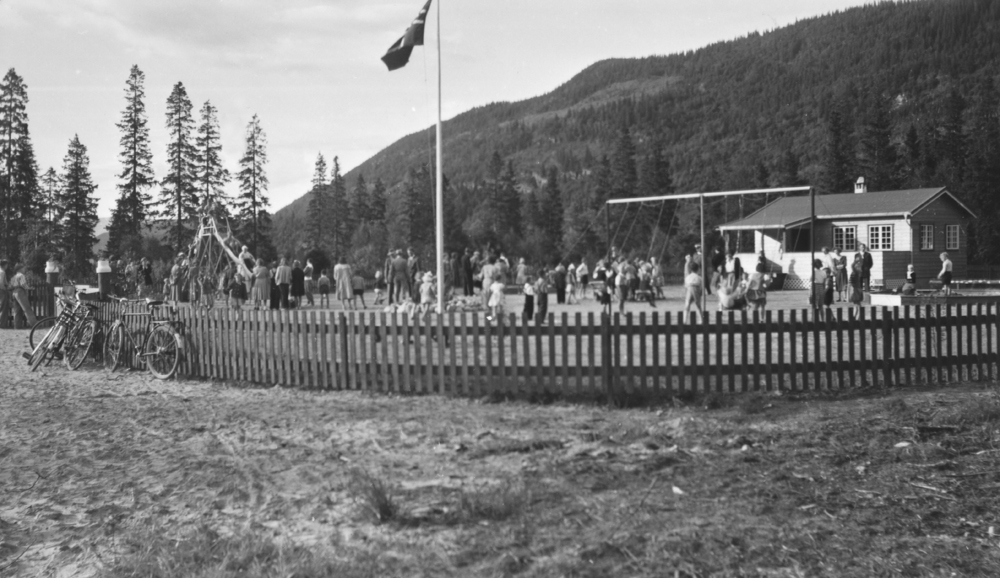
pixel 310 69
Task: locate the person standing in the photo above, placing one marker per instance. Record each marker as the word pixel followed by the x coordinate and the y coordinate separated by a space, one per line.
pixel 542 297
pixel 261 278
pixel 18 287
pixel 467 273
pixel 309 271
pixel 458 279
pixel 324 289
pixel 856 295
pixel 732 270
pixel 413 268
pixel 583 276
pixel 250 263
pixel 387 275
pixel 175 280
pixel 717 262
pixel 145 277
pixel 298 285
pixel 400 279
pixel 559 277
pixel 866 268
pixel 283 277
pixel 945 274
pixel 840 273
pixel 343 280
pixel 819 287
pixel 693 288
pixel 757 290
pixel 529 300
pixel 488 272
pixel 521 272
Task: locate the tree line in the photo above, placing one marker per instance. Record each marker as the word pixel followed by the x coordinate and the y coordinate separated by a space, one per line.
pixel 53 214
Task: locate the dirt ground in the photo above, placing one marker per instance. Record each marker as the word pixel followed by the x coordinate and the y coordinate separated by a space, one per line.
pixel 130 476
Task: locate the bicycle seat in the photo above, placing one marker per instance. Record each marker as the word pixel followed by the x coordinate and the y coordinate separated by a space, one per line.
pixel 153 303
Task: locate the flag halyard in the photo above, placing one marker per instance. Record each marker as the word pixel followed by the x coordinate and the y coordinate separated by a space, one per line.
pixel 399 53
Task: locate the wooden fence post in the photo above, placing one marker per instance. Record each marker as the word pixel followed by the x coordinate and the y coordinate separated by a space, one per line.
pixel 887 361
pixel 606 358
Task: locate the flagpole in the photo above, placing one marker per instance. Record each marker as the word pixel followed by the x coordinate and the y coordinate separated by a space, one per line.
pixel 439 195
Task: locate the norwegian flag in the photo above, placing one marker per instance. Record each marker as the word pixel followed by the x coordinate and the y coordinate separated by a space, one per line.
pixel 399 53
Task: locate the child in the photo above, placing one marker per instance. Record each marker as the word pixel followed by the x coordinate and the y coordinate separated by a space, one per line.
pixel 693 289
pixel 855 281
pixel 358 287
pixel 757 290
pixel 542 297
pixel 529 299
pixel 497 301
pixel 237 292
pixel 324 289
pixel 428 294
pixel 910 287
pixel 379 286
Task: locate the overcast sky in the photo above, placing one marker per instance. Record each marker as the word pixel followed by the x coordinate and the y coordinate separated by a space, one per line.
pixel 311 70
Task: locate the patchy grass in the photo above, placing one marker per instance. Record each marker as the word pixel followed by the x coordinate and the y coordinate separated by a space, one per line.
pixel 196 479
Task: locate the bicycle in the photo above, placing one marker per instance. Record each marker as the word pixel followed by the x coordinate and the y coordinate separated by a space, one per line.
pixel 73 332
pixel 161 345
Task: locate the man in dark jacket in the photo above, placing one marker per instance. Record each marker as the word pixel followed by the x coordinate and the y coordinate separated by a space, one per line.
pixel 400 278
pixel 866 268
pixel 414 268
pixel 467 272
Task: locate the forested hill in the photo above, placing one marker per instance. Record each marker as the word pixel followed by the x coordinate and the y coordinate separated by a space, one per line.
pixel 750 111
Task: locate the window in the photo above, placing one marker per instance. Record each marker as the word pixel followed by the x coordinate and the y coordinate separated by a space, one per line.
pixel 880 237
pixel 951 237
pixel 845 238
pixel 926 237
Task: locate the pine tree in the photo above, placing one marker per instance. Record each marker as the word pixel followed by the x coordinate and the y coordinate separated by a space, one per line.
pixel 983 173
pixel 79 205
pixel 179 195
pixel 877 156
pixel 130 212
pixel 251 204
pixel 624 177
pixel 952 140
pixel 340 210
pixel 358 204
pixel 377 202
pixel 787 172
pixel 838 165
pixel 18 169
pixel 212 176
pixel 601 190
pixel 552 212
pixel 510 204
pixel 319 207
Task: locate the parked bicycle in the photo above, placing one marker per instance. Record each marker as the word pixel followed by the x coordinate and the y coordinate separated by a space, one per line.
pixel 159 343
pixel 71 334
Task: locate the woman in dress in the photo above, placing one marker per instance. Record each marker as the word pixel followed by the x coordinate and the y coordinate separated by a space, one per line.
pixel 342 280
pixel 261 280
pixel 840 273
pixel 309 271
pixel 298 285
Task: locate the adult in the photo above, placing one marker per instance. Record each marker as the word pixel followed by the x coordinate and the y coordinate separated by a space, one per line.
pixel 250 263
pixel 400 278
pixel 559 279
pixel 4 296
pixel 821 280
pixel 732 269
pixel 757 289
pixel 521 272
pixel 175 279
pixel 489 272
pixel 839 273
pixel 413 268
pixel 283 277
pixel 275 302
pixel 387 274
pixel 503 266
pixel 458 278
pixel 583 276
pixel 467 272
pixel 477 263
pixel 343 281
pixel 542 297
pixel 717 261
pixel 145 277
pixel 945 274
pixel 18 287
pixel 866 268
pixel 309 271
pixel 298 285
pixel 656 277
pixel 261 279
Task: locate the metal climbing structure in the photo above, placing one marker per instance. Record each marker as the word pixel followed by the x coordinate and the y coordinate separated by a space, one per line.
pixel 210 254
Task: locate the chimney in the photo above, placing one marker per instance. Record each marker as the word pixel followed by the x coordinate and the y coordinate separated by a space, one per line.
pixel 860 187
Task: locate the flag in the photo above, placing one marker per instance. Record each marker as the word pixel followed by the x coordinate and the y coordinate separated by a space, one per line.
pixel 399 53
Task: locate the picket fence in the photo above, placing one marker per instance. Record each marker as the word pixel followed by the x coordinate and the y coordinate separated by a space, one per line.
pixel 591 355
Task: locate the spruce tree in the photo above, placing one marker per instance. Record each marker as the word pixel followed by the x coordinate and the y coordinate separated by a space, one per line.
pixel 787 172
pixel 136 178
pixel 250 205
pixel 877 156
pixel 838 165
pixel 319 207
pixel 340 210
pixel 179 194
pixel 624 176
pixel 79 205
pixel 552 212
pixel 18 169
pixel 358 204
pixel 510 204
pixel 377 202
pixel 982 177
pixel 601 187
pixel 212 176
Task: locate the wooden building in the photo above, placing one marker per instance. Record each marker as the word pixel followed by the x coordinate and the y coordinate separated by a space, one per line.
pixel 899 227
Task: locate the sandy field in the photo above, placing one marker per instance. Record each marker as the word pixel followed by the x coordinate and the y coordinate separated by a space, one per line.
pixel 130 476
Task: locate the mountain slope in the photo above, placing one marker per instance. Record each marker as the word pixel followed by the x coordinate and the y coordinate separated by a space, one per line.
pixel 727 104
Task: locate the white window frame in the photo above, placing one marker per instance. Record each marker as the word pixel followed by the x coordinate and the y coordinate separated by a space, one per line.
pixel 929 246
pixel 878 240
pixel 842 244
pixel 952 233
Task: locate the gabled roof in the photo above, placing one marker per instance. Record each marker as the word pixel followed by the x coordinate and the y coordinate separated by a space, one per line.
pixel 790 212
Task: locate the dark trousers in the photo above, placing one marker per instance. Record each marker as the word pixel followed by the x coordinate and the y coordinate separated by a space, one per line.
pixel 560 294
pixel 468 285
pixel 401 285
pixel 529 308
pixel 543 306
pixel 4 309
pixel 283 287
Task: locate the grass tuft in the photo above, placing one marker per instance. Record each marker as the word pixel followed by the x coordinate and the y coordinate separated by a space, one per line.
pixel 502 502
pixel 373 495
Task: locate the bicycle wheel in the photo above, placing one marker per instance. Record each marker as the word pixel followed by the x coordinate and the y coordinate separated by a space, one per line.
pixel 39 329
pixel 114 345
pixel 78 343
pixel 44 348
pixel 162 351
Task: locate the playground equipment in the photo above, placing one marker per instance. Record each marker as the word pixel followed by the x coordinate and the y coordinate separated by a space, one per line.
pixel 211 252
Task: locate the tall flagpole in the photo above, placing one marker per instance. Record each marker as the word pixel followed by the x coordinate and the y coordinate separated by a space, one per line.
pixel 439 194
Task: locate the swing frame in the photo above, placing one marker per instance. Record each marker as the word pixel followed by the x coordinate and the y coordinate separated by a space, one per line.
pixel 701 197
